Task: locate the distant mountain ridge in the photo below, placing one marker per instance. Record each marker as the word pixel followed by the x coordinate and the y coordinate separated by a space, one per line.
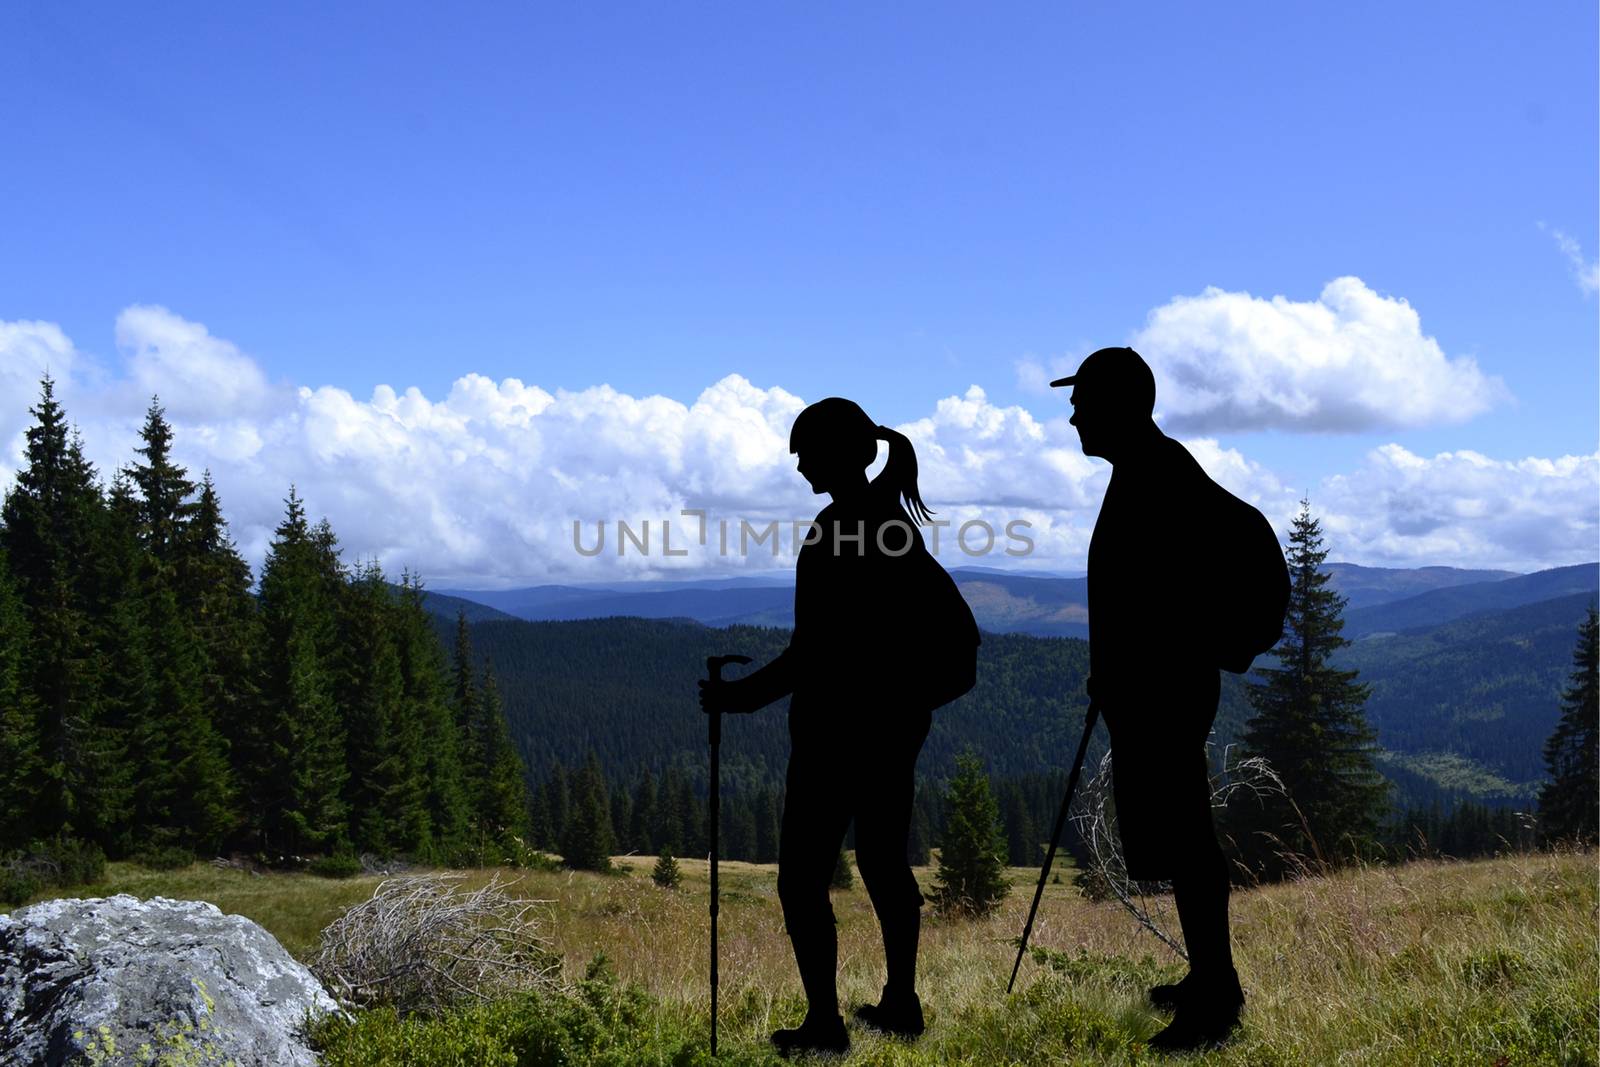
pixel 1441 605
pixel 1465 706
pixel 1380 599
pixel 1462 708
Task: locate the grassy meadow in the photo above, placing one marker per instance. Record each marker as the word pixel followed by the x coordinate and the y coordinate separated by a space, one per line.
pixel 1484 963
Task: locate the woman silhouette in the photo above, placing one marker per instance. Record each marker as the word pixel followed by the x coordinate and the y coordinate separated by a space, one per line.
pixel 881 638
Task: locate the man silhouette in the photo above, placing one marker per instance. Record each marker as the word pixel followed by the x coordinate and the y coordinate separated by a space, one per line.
pixel 1154 605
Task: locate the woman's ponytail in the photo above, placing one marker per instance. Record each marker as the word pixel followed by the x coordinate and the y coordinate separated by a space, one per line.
pixel 899 474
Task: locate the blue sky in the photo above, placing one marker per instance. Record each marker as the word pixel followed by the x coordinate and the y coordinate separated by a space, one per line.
pixel 893 204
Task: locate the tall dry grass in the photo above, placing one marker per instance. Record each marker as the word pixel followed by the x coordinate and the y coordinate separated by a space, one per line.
pixel 1486 962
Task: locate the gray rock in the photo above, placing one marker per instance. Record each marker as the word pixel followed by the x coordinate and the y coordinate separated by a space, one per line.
pixel 118 980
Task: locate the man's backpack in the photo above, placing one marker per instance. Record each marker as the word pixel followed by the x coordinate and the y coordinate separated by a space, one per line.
pixel 1251 592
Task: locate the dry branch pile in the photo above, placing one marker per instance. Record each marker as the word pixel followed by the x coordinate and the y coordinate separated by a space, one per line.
pixel 425 943
pixel 1093 814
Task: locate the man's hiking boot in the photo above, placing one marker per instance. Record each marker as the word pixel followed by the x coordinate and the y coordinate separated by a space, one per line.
pixel 1168 997
pixel 1207 1012
pixel 897 1016
pixel 827 1037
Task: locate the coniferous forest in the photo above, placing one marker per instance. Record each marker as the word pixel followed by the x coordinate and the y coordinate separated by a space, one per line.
pixel 159 701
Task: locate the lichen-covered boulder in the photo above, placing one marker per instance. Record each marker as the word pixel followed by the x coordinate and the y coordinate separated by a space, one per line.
pixel 119 980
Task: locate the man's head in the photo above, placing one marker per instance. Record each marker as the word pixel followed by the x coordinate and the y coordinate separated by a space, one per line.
pixel 1113 396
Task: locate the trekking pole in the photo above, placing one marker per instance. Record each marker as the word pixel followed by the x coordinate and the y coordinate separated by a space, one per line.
pixel 1089 718
pixel 714 666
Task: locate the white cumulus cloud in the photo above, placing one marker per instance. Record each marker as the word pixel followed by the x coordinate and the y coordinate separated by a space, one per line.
pixel 482 485
pixel 1350 360
pixel 1464 508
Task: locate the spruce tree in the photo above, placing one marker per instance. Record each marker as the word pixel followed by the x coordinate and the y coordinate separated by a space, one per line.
pixel 1311 728
pixel 642 825
pixel 843 878
pixel 540 836
pixel 118 574
pixel 1569 804
pixel 213 589
pixel 665 873
pixel 184 789
pixel 587 842
pixel 1022 843
pixel 423 669
pixel 48 526
pixel 19 727
pixel 970 879
pixel 622 820
pixel 558 802
pixel 468 711
pixel 738 835
pixel 164 490
pixel 382 791
pixel 919 841
pixel 502 807
pixel 767 826
pixel 303 770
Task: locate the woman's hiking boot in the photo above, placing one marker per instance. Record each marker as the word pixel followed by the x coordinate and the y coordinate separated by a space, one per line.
pixel 825 1035
pixel 897 1016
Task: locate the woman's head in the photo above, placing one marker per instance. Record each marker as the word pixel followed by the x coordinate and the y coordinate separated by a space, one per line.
pixel 836 442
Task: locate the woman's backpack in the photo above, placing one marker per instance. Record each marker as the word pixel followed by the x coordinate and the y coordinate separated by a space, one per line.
pixel 942 660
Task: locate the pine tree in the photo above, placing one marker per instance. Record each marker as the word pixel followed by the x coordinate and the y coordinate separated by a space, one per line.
pixel 843 878
pixel 767 827
pixel 19 727
pixel 48 529
pixel 1310 726
pixel 467 709
pixel 1022 843
pixel 1569 804
pixel 438 759
pixel 665 873
pixel 502 802
pixel 587 842
pixel 670 811
pixel 971 875
pixel 919 841
pixel 622 821
pixel 382 791
pixel 213 590
pixel 642 825
pixel 540 836
pixel 114 577
pixel 164 490
pixel 184 791
pixel 558 803
pixel 303 771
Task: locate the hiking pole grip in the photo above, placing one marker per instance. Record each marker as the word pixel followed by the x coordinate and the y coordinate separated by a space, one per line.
pixel 714 666
pixel 1089 718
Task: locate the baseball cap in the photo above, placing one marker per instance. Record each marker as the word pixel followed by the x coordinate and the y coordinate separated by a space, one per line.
pixel 1120 372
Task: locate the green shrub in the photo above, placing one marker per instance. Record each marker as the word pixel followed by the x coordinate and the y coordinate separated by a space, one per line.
pixel 598 1022
pixel 77 862
pixel 60 861
pixel 338 865
pixel 163 858
pixel 17 885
